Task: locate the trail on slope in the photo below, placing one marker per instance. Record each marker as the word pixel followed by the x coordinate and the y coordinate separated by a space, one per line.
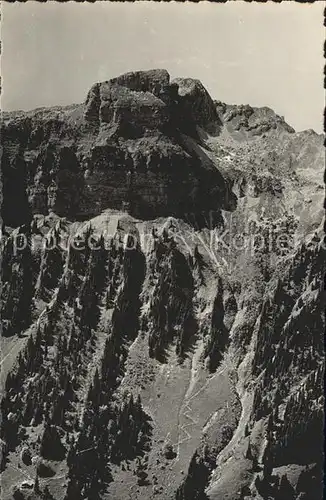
pixel 187 412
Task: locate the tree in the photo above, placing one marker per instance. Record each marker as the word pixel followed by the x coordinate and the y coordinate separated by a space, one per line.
pixel 169 452
pixel 141 473
pixel 46 494
pixel 37 484
pixel 245 492
pixel 51 446
pixel 193 487
pixel 249 455
pixel 286 491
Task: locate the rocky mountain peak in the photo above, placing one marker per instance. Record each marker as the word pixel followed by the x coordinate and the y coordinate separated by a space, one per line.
pixel 154 81
pixel 182 102
pixel 132 146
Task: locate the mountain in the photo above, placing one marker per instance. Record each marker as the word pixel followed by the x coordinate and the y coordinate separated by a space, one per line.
pixel 162 266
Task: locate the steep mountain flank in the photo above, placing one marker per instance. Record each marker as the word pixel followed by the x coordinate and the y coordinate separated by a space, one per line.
pixel 162 292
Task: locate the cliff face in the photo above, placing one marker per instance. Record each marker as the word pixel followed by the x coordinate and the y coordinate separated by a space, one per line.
pixel 124 148
pixel 162 270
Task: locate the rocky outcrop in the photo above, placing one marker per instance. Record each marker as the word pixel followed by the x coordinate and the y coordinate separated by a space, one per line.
pixel 123 149
pixel 250 120
pixel 197 107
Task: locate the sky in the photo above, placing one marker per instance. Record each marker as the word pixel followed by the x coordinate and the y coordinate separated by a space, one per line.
pixel 266 54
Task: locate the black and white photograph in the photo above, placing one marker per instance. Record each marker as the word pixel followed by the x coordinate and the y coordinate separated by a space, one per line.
pixel 162 250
